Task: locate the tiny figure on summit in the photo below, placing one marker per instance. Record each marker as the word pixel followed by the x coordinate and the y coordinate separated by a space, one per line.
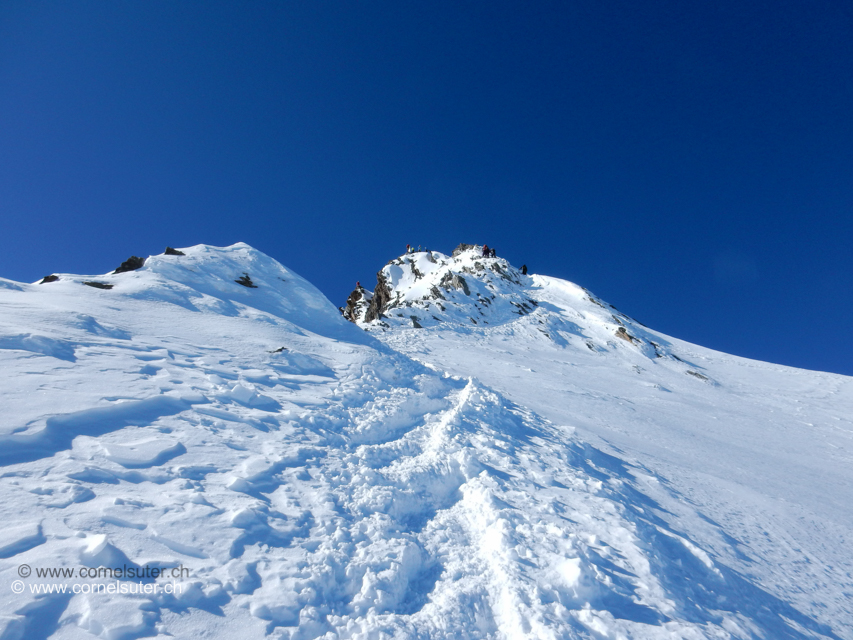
pixel 358 284
pixel 485 251
pixel 524 269
pixel 492 253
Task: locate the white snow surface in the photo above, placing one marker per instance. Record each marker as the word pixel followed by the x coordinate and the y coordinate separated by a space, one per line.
pixel 516 468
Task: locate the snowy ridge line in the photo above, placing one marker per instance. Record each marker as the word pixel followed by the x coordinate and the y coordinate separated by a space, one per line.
pixel 318 484
pixel 467 293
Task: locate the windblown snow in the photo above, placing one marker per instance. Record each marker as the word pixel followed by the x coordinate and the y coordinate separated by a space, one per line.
pixel 480 454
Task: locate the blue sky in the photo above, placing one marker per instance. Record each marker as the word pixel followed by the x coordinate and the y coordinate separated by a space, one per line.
pixel 691 163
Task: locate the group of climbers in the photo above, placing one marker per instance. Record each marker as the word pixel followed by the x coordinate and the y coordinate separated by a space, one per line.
pixel 488 252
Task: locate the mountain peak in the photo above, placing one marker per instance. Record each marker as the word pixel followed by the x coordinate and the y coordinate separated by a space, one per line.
pixel 470 290
pixel 426 288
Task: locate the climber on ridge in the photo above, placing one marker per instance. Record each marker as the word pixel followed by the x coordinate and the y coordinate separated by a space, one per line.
pixel 485 251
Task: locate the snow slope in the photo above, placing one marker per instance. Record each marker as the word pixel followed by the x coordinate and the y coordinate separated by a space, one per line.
pixel 756 458
pixel 306 480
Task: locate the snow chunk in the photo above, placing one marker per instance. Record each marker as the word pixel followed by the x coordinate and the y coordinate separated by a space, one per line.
pixel 144 453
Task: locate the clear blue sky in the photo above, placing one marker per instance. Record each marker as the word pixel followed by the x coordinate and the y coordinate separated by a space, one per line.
pixel 690 162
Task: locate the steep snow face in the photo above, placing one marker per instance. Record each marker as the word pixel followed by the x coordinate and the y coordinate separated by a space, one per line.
pixel 296 478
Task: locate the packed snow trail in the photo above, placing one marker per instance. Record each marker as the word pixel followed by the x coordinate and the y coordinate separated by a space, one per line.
pixel 296 478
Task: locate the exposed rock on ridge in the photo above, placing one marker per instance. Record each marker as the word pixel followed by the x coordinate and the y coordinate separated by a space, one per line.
pixel 357 304
pixel 425 289
pixel 380 300
pixel 131 264
pixel 491 290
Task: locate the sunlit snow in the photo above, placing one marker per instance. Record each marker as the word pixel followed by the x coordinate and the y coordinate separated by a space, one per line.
pixel 497 456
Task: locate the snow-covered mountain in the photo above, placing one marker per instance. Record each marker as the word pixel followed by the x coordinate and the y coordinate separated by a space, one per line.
pixel 498 456
pixel 762 451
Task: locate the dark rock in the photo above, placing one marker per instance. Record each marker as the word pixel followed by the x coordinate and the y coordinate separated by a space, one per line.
pixel 98 285
pixel 246 281
pixel 131 264
pixel 279 350
pixel 520 309
pixel 173 252
pixel 50 278
pixel 379 301
pixel 349 311
pixel 415 323
pixel 696 374
pixel 357 303
pixel 456 281
pixel 462 247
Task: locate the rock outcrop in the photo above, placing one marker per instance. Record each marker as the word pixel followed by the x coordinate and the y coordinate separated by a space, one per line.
pixel 246 281
pixel 379 301
pixel 98 285
pixel 464 288
pixel 131 264
pixel 456 281
pixel 621 332
pixel 357 304
pixel 461 248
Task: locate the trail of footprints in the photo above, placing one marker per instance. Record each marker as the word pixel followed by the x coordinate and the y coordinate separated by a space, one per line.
pixel 304 503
